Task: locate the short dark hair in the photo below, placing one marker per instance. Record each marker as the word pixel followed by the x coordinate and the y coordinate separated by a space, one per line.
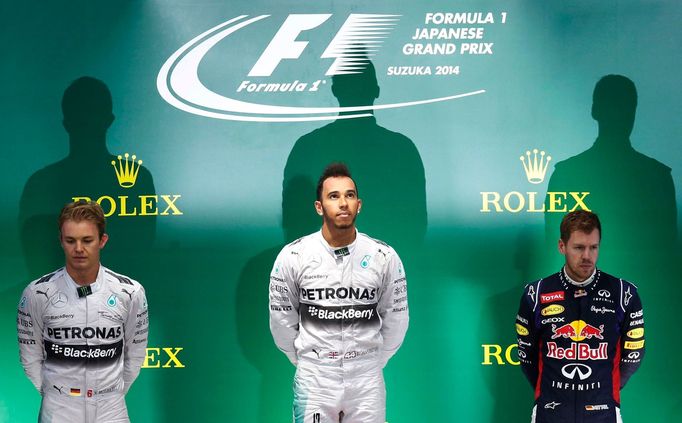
pixel 333 170
pixel 579 220
pixel 83 210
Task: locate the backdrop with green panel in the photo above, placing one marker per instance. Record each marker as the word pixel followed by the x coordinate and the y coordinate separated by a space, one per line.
pixel 470 133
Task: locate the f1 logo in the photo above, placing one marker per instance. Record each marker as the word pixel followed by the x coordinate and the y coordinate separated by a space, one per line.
pixel 360 34
pixel 316 418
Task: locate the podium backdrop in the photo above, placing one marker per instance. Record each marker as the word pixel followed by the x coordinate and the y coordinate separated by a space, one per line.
pixel 470 127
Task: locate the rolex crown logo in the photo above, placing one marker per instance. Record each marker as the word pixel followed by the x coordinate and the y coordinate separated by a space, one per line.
pixel 126 169
pixel 535 168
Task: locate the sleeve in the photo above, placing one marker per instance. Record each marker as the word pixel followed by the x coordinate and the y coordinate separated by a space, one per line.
pixel 527 335
pixel 283 302
pixel 29 331
pixel 392 307
pixel 136 334
pixel 632 334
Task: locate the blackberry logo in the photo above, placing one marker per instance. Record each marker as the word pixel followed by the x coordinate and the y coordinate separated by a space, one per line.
pixel 83 352
pixel 344 313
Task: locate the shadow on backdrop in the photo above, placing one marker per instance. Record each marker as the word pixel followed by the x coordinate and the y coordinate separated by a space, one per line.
pixel 88 171
pixel 626 188
pixel 386 164
pixel 391 183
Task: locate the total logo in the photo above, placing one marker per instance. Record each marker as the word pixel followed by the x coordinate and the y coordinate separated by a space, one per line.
pixel 577 330
pixel 551 297
pixel 360 37
pixel 535 167
pixel 126 171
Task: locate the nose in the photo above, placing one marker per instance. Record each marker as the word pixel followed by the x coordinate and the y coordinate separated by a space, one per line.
pixel 79 246
pixel 342 202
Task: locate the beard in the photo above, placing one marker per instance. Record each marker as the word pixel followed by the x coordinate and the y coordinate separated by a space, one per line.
pixel 333 223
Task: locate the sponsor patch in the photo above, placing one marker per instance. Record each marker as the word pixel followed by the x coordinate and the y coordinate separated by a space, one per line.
pixel 636 345
pixel 577 351
pixel 596 407
pixel 364 314
pixel 521 330
pixel 553 309
pixel 521 319
pixel 636 333
pixel 551 297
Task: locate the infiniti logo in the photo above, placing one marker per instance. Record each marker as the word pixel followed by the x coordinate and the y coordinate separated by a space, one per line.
pixel 604 293
pixel 633 355
pixel 582 370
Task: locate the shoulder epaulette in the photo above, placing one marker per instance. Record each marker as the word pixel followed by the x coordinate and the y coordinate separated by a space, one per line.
pixel 121 279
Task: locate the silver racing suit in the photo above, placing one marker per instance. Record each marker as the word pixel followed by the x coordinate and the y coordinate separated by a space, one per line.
pixel 338 314
pixel 82 350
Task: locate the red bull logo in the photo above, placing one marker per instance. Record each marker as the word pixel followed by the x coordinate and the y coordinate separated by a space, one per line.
pixel 578 351
pixel 577 330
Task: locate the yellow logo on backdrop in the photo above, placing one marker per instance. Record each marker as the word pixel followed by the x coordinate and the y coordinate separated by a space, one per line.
pixel 494 351
pixel 126 171
pixel 169 358
pixel 535 167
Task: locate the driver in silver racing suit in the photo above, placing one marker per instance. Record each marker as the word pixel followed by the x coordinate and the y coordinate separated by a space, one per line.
pixel 339 314
pixel 82 352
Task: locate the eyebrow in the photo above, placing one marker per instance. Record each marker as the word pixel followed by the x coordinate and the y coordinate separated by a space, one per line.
pixel 337 192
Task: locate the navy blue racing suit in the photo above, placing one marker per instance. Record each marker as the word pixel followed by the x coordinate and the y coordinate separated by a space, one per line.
pixel 578 346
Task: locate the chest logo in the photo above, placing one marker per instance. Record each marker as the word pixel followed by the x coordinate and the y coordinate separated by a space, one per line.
pixel 364 263
pixel 111 302
pixel 553 309
pixel 577 330
pixel 59 300
pixel 550 297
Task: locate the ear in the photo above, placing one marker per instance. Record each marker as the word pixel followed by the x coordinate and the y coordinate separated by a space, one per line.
pixel 103 241
pixel 359 205
pixel 318 208
pixel 562 247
